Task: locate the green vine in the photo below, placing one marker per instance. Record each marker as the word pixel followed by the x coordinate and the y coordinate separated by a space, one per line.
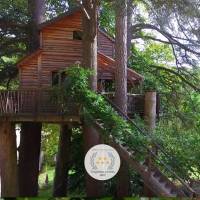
pixel 76 88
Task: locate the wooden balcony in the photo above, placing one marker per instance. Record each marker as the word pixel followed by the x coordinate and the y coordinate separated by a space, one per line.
pixel 39 105
pixel 35 105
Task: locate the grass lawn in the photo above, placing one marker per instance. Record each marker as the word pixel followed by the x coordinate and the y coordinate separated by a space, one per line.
pixel 45 190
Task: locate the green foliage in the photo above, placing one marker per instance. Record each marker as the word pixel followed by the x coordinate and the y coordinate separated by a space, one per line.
pixel 107 17
pixel 50 138
pixel 44 189
pixel 183 145
pixel 96 107
pixel 145 61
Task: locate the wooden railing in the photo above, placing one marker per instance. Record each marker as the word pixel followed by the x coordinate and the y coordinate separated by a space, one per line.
pixel 39 102
pixel 135 103
pixel 32 102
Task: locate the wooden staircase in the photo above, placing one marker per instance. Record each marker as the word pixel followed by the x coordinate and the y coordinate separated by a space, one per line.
pixel 152 176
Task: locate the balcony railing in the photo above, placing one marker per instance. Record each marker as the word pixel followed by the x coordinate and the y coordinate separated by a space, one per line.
pixel 41 102
pixel 135 103
pixel 33 102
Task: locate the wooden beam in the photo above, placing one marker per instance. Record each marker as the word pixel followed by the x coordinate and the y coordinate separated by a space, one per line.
pixel 150 110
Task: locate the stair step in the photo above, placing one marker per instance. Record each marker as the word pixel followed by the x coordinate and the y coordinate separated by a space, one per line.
pixel 156 177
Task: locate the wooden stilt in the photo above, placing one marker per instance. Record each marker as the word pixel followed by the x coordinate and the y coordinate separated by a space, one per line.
pixel 8 160
pixel 62 162
pixel 123 183
pixel 29 154
pixel 94 188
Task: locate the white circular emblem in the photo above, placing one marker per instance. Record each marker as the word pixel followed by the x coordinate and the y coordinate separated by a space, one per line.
pixel 102 162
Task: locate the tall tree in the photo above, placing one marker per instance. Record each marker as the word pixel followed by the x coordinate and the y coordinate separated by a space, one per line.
pixel 8 160
pixel 121 83
pixel 90 26
pixel 121 55
pixel 29 152
pixel 62 162
pixel 36 9
pixel 30 141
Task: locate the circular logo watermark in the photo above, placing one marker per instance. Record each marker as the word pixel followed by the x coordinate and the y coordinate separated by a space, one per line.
pixel 102 162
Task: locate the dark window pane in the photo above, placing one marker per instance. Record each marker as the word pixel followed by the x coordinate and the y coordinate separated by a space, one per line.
pixel 77 35
pixel 55 78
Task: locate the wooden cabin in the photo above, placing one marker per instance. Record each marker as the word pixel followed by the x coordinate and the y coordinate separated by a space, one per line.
pixel 60 47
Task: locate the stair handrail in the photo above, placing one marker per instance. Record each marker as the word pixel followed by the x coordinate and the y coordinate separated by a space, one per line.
pixel 166 166
pixel 157 145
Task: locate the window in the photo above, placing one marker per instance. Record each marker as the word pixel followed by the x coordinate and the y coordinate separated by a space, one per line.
pixel 58 78
pixel 55 78
pixel 77 35
pixel 105 85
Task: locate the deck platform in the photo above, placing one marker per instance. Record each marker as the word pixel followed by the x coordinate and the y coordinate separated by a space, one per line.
pixel 42 106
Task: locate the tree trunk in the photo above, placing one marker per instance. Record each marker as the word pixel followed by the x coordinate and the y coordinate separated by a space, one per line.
pixel 36 10
pixel 129 26
pixel 121 55
pixel 94 188
pixel 29 156
pixel 62 162
pixel 150 120
pixel 123 183
pixel 30 143
pixel 8 160
pixel 90 40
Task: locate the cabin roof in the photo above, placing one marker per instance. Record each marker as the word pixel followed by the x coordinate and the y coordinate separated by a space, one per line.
pixel 109 65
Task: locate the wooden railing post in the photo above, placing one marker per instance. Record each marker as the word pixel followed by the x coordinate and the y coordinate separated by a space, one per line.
pixel 150 110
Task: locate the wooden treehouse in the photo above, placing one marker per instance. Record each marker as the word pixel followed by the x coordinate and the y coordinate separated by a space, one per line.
pixel 60 47
pixel 31 105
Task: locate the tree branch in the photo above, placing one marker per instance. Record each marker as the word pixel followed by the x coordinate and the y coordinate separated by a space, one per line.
pixel 5 23
pixel 151 38
pixel 183 79
pixel 171 39
pixel 83 9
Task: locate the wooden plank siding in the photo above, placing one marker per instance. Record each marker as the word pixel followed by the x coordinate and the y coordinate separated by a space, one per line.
pixel 29 74
pixel 59 50
pixel 105 44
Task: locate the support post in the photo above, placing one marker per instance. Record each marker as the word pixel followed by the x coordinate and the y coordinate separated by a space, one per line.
pixel 62 162
pixel 150 110
pixel 29 156
pixel 91 137
pixel 150 121
pixel 8 160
